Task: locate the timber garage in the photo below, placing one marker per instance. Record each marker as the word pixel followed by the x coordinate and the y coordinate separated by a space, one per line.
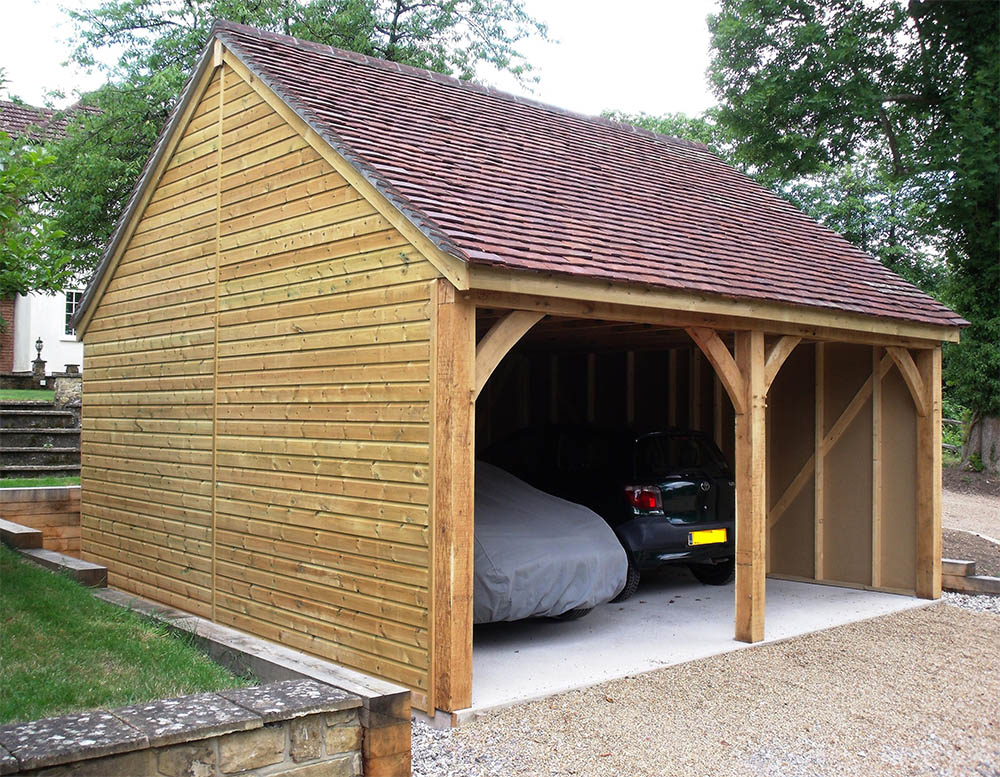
pixel 337 273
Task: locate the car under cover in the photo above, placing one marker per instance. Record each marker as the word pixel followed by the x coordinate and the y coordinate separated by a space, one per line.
pixel 537 555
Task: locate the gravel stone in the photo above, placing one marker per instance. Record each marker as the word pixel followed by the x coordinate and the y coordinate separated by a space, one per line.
pixel 974 602
pixel 914 693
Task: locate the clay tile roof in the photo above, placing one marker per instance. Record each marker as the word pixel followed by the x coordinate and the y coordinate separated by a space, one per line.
pixel 500 180
pixel 17 120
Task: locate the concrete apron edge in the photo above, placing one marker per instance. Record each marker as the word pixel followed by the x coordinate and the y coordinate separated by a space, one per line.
pixel 442 719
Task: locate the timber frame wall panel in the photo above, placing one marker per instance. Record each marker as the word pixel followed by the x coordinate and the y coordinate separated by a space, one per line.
pixel 867 470
pixel 323 432
pixel 847 470
pixel 147 425
pixel 790 415
pixel 274 458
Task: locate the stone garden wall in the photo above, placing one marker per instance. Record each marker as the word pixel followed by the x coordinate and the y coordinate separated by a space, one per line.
pixel 295 728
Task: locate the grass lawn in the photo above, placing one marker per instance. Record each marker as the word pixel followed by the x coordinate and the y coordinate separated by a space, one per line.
pixel 37 482
pixel 26 394
pixel 62 650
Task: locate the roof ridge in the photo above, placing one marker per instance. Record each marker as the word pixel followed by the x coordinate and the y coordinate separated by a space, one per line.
pixel 432 75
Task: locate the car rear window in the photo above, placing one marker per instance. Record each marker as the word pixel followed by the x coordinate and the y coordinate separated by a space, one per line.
pixel 660 455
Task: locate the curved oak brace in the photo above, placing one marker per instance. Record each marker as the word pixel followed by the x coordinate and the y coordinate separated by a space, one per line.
pixel 911 375
pixel 780 351
pixel 503 336
pixel 725 365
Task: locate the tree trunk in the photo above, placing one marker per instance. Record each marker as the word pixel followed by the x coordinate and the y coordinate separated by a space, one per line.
pixel 983 443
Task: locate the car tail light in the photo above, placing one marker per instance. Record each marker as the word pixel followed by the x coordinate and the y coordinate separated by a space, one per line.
pixel 645 498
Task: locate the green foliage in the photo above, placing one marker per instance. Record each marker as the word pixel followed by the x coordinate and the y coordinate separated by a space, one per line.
pixel 35 395
pixel 701 129
pixel 29 260
pixel 63 650
pixel 159 41
pixel 38 482
pixel 883 216
pixel 881 119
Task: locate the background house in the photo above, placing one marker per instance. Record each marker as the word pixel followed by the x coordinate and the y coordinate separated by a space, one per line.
pixel 33 316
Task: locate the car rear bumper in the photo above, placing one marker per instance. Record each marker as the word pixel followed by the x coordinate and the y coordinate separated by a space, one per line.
pixel 653 541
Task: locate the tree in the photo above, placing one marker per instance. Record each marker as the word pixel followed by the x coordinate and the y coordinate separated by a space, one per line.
pixel 701 129
pixel 810 87
pixel 28 259
pixel 102 157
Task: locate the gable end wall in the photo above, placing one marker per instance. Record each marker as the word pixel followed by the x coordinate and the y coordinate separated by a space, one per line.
pixel 266 330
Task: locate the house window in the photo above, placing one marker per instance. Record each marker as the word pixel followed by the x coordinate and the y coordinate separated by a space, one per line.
pixel 73 299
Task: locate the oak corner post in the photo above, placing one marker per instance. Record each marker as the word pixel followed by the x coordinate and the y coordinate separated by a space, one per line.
pixel 751 507
pixel 928 581
pixel 453 349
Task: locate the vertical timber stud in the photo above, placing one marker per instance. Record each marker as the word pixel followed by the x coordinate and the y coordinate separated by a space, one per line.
pixel 672 387
pixel 819 567
pixel 751 507
pixel 694 390
pixel 453 434
pixel 929 477
pixel 876 468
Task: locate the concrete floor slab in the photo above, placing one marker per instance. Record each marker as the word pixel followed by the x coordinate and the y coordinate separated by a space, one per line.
pixel 671 620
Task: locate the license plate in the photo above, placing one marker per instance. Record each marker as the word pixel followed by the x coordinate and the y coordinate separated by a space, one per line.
pixel 706 537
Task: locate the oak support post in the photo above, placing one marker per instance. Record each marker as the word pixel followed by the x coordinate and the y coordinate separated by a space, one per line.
pixel 928 363
pixel 454 382
pixel 751 478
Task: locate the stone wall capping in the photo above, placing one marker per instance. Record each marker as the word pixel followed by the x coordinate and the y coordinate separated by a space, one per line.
pixel 186 718
pixel 385 707
pixel 8 763
pixel 25 747
pixel 54 741
pixel 291 699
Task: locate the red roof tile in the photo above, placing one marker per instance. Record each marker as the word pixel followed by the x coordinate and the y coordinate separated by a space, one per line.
pixel 17 119
pixel 500 180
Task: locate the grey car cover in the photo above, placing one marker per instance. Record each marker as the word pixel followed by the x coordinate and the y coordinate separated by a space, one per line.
pixel 536 554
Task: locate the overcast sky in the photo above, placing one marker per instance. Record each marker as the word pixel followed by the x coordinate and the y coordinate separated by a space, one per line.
pixel 631 55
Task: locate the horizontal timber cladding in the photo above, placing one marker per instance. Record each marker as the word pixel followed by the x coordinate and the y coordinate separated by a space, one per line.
pixel 267 324
pixel 146 440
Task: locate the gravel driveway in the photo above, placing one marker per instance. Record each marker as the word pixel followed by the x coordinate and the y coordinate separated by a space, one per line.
pixel 915 693
pixel 979 513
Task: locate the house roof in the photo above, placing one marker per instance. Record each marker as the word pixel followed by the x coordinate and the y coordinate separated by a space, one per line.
pixel 501 181
pixel 18 119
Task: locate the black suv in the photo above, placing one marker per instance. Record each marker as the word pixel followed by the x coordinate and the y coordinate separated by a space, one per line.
pixel 668 495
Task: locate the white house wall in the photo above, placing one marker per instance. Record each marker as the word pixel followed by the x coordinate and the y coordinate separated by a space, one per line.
pixel 44 316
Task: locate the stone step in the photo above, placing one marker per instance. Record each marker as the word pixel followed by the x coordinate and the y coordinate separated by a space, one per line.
pixel 37 419
pixel 40 454
pixel 27 404
pixel 40 471
pixel 38 438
